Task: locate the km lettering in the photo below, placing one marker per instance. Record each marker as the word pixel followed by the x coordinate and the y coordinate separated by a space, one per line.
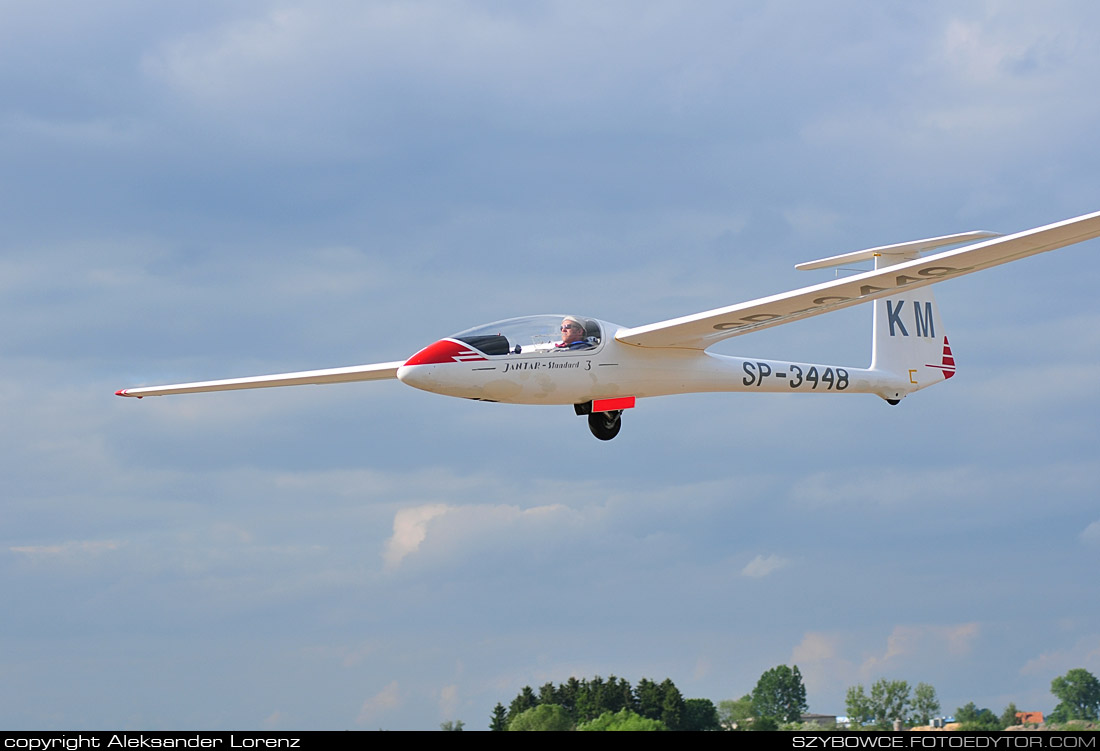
pixel 923 323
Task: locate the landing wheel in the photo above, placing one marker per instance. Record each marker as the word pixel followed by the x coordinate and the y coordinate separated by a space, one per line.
pixel 605 425
pixel 893 402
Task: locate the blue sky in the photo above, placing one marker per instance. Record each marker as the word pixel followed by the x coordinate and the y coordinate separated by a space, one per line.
pixel 216 190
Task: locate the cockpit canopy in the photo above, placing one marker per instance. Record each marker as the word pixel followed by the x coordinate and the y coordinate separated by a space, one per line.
pixel 529 335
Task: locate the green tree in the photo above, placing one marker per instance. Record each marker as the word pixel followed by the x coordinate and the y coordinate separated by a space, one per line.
pixel 619 694
pixel 586 704
pixel 624 719
pixel 858 706
pixel 595 706
pixel 452 726
pixel 545 717
pixel 568 693
pixel 889 701
pixel 1078 694
pixel 1008 717
pixel 672 705
pixel 808 727
pixel 499 720
pixel 525 700
pixel 548 694
pixel 650 699
pixel 970 717
pixel 925 705
pixel 764 723
pixel 699 714
pixel 734 714
pixel 780 694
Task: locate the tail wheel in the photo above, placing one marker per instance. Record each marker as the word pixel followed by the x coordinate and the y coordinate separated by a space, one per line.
pixel 605 425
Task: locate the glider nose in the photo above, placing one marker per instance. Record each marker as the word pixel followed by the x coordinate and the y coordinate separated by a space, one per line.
pixel 419 370
pixel 416 376
pixel 424 369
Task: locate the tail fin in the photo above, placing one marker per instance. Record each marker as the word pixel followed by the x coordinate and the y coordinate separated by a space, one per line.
pixel 909 343
pixel 908 337
pixel 909 340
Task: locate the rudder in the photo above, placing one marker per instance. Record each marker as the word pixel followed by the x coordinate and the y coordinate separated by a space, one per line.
pixel 909 340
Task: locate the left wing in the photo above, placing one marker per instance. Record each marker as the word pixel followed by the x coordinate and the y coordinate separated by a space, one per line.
pixel 701 330
pixel 375 372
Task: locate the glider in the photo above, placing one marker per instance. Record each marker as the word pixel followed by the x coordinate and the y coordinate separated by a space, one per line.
pixel 601 368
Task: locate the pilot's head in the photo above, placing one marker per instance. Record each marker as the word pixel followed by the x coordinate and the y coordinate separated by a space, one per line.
pixel 572 330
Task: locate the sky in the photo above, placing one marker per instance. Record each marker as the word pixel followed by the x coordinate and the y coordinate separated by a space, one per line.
pixel 210 190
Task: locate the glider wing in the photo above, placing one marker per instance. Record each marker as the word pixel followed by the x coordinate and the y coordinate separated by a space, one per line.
pixel 701 330
pixel 375 372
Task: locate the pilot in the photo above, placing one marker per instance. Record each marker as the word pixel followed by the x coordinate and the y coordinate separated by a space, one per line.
pixel 572 335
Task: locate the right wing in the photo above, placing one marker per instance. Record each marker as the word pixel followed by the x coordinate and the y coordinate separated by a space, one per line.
pixel 701 330
pixel 375 372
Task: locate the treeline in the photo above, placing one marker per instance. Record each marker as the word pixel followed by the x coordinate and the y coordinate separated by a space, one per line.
pixel 777 702
pixel 597 703
pixel 1078 692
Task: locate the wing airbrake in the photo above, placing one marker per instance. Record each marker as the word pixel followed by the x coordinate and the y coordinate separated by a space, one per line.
pixel 701 330
pixel 374 372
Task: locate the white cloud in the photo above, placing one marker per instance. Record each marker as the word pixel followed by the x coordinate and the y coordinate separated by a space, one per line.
pixel 1084 653
pixel 958 487
pixel 763 565
pixel 819 659
pixel 907 643
pixel 816 647
pixel 70 549
pixel 410 527
pixel 891 486
pixel 467 527
pixel 1091 533
pixel 384 701
pixel 448 702
pixel 353 656
pixel 830 662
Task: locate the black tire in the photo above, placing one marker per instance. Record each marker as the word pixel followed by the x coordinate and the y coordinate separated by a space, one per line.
pixel 605 425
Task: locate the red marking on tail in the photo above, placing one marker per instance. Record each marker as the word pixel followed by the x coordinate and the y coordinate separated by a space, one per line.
pixel 948 363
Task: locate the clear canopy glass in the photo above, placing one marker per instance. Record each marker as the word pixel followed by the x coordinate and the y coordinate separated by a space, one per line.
pixel 530 335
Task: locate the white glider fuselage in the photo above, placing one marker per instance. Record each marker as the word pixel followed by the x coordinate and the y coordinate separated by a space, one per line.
pixel 611 370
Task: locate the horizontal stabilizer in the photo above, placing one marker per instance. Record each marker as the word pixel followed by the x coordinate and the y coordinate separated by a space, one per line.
pixel 375 372
pixel 906 251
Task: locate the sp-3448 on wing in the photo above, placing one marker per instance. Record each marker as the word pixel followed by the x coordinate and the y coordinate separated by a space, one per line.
pixel 601 368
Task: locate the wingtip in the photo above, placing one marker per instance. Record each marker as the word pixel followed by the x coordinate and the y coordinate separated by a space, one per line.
pixel 122 392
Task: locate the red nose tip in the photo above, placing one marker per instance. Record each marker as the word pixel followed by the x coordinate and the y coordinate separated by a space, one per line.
pixel 445 351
